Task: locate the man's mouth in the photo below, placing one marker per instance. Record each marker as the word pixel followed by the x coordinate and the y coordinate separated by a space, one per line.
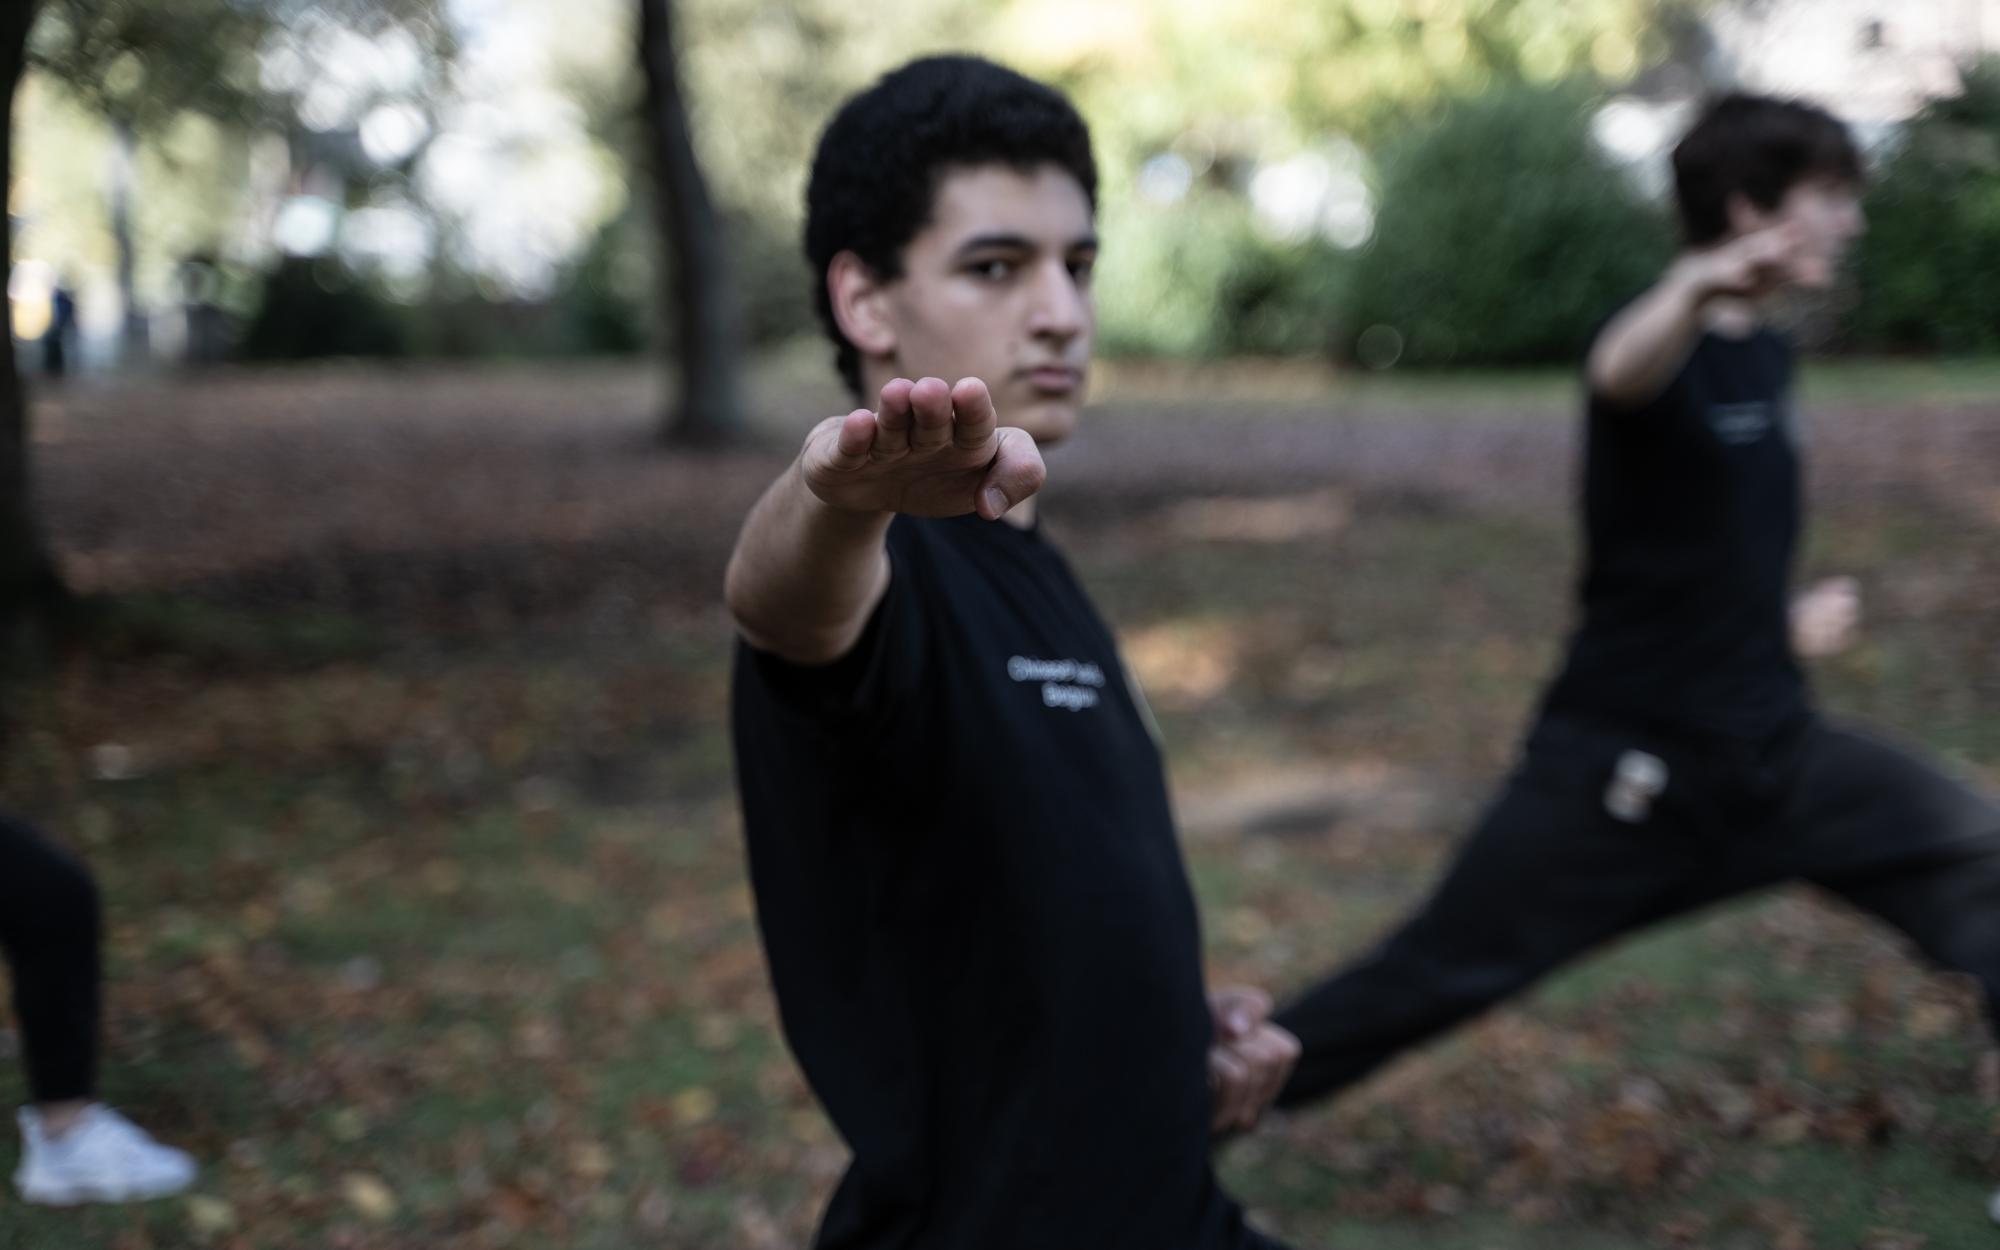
pixel 1054 379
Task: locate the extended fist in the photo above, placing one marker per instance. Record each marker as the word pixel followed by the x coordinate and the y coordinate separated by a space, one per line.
pixel 1249 1060
pixel 928 450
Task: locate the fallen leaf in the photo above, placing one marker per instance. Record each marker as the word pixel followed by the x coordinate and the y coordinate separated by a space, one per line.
pixel 368 1195
pixel 694 1105
pixel 210 1217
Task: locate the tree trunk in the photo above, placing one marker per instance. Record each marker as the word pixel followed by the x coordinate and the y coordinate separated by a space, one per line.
pixel 697 300
pixel 133 336
pixel 27 575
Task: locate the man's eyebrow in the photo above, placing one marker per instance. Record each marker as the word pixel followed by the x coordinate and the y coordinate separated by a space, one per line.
pixel 1019 243
pixel 997 242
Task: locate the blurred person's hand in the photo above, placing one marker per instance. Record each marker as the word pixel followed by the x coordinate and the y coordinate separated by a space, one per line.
pixel 1747 267
pixel 929 450
pixel 1826 617
pixel 1645 345
pixel 1249 1060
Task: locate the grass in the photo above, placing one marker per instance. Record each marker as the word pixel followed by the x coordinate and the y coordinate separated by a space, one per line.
pixel 1843 380
pixel 434 933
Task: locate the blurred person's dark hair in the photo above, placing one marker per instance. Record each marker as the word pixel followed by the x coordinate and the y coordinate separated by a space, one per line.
pixel 876 173
pixel 1759 147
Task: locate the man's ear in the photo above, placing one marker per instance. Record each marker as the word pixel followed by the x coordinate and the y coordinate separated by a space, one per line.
pixel 1745 217
pixel 860 305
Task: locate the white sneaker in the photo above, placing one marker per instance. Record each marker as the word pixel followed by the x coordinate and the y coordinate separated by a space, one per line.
pixel 104 1157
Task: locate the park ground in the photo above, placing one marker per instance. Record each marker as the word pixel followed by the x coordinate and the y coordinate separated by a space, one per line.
pixel 396 734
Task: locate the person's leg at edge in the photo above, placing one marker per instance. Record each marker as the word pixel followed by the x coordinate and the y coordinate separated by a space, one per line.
pixel 74 1148
pixel 1898 837
pixel 49 928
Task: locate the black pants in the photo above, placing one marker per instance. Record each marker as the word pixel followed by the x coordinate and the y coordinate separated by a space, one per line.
pixel 49 930
pixel 1551 872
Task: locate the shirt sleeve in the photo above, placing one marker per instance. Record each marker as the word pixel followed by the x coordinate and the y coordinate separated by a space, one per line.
pixel 872 684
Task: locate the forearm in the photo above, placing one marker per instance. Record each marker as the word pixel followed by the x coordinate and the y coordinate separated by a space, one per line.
pixel 805 575
pixel 1644 346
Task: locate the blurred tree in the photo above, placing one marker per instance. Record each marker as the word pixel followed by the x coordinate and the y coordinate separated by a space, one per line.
pixel 27 574
pixel 757 81
pixel 144 66
pixel 698 299
pixel 140 66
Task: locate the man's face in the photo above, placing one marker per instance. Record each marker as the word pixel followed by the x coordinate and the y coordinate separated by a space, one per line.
pixel 1826 213
pixel 997 287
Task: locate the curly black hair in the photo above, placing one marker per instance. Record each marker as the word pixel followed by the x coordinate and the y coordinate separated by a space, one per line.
pixel 1759 147
pixel 876 173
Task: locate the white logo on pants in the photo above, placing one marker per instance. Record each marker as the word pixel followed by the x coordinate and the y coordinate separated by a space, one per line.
pixel 1635 783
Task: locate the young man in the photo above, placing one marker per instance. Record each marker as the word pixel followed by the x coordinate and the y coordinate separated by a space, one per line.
pixel 982 939
pixel 1677 759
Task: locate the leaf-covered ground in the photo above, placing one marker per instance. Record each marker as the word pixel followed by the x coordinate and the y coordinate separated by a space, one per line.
pixel 398 742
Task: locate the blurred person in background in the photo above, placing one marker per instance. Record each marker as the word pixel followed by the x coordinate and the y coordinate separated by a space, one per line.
pixel 56 340
pixel 1677 759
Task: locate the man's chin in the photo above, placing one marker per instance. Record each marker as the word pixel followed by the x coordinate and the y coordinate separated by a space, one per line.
pixel 1048 421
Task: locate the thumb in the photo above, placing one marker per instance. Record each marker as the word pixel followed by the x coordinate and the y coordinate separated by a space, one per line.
pixel 1015 473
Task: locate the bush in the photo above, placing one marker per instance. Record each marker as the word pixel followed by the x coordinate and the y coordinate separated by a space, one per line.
pixel 1503 234
pixel 608 303
pixel 318 308
pixel 1196 279
pixel 1929 265
pixel 1282 299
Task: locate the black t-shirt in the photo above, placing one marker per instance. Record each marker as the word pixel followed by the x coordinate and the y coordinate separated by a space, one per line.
pixel 981 935
pixel 1691 514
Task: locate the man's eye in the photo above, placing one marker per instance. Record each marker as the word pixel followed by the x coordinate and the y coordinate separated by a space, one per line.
pixel 993 270
pixel 1080 269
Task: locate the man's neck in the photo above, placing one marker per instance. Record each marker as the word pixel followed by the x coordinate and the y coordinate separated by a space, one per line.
pixel 1022 515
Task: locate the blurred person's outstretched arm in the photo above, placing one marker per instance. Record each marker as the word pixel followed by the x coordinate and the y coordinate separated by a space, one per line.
pixel 809 567
pixel 1641 349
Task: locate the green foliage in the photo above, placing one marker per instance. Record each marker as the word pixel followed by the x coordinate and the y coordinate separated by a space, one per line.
pixel 1503 234
pixel 1930 263
pixel 1239 83
pixel 1195 279
pixel 1284 299
pixel 1250 78
pixel 607 303
pixel 312 309
pixel 144 64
